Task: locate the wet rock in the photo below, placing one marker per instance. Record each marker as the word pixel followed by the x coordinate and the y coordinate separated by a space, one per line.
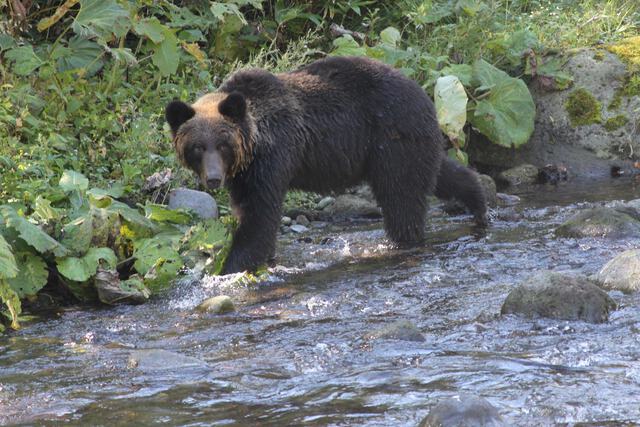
pixel 552 174
pixel 559 296
pixel 353 205
pixel 622 273
pixel 402 330
pixel 286 220
pixel 217 305
pixel 157 359
pixel 325 202
pixel 302 220
pixel 525 174
pixel 612 223
pixel 463 411
pixel 298 228
pixel 585 150
pixel 489 187
pixel 507 199
pixel 203 204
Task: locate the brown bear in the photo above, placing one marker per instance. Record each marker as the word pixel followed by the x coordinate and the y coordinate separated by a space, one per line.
pixel 327 126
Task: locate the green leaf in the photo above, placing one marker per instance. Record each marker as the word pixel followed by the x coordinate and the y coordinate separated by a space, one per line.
pixel 485 75
pixel 165 54
pixel 79 233
pixel 79 53
pixel 458 155
pixel 221 10
pixel 150 28
pixel 451 106
pixel 390 36
pixel 347 46
pixel 82 269
pixel 72 180
pixel 44 211
pixel 9 297
pixel 157 260
pixel 6 42
pixel 31 233
pixel 32 274
pixel 507 115
pixel 25 60
pixel 161 213
pixel 8 266
pixel 116 191
pixel 136 221
pixel 463 72
pixel 101 18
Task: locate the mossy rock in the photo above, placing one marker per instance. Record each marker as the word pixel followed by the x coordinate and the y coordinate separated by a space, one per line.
pixel 601 222
pixel 616 122
pixel 583 108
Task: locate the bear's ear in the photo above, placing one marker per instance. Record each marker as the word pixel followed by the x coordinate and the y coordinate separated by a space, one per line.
pixel 233 106
pixel 177 112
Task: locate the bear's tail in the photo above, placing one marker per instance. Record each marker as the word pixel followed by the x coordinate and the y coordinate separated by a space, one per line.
pixel 461 183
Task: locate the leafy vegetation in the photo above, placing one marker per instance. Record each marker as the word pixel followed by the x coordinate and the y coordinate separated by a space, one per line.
pixel 84 83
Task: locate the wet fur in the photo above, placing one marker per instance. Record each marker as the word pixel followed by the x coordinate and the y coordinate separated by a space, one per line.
pixel 326 127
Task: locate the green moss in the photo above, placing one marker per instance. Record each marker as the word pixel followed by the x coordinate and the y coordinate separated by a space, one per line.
pixel 629 51
pixel 615 122
pixel 598 55
pixel 629 88
pixel 583 108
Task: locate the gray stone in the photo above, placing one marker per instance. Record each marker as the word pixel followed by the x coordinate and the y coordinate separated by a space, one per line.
pixel 613 223
pixel 298 228
pixel 524 174
pixel 463 411
pixel 559 296
pixel 157 359
pixel 352 205
pixel 302 220
pixel 586 151
pixel 286 220
pixel 402 330
pixel 622 273
pixel 217 305
pixel 203 204
pixel 325 202
pixel 489 188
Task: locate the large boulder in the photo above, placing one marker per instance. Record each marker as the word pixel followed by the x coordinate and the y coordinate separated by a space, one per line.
pixel 622 273
pixel 559 296
pixel 588 127
pixel 612 223
pixel 201 203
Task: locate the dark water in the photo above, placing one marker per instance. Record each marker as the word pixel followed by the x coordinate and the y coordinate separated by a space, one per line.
pixel 295 353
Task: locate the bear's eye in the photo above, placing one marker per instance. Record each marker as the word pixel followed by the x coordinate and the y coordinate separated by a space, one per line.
pixel 197 150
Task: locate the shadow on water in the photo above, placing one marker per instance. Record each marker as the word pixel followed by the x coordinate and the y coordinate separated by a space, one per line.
pixel 299 350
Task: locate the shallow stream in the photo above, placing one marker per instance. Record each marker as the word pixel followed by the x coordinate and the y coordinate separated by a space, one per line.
pixel 297 353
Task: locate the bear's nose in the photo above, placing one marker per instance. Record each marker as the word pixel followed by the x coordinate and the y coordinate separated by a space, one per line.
pixel 213 183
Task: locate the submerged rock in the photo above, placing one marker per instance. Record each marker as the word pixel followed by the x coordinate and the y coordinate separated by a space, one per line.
pixel 217 305
pixel 157 359
pixel 559 296
pixel 203 204
pixel 613 223
pixel 298 228
pixel 463 411
pixel 622 273
pixel 524 174
pixel 507 199
pixel 402 330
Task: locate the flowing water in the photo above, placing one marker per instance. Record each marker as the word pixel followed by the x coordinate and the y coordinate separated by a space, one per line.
pixel 297 352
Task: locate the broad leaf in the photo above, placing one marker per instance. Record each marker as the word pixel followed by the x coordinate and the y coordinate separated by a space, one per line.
pixel 507 115
pixel 161 213
pixel 44 211
pixel 82 269
pixel 79 233
pixel 72 180
pixel 31 233
pixel 165 54
pixel 485 75
pixel 79 53
pixel 101 18
pixel 8 266
pixel 347 46
pixel 463 72
pixel 158 261
pixel 390 36
pixel 9 297
pixel 25 60
pixel 150 28
pixel 32 275
pixel 451 107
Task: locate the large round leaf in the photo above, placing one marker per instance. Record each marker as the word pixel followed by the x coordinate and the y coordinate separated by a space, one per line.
pixel 32 274
pixel 82 269
pixel 31 233
pixel 451 106
pixel 8 267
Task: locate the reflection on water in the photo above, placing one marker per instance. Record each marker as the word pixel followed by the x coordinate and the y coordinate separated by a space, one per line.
pixel 296 352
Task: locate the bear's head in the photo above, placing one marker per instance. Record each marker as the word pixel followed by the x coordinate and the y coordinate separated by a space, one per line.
pixel 212 136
